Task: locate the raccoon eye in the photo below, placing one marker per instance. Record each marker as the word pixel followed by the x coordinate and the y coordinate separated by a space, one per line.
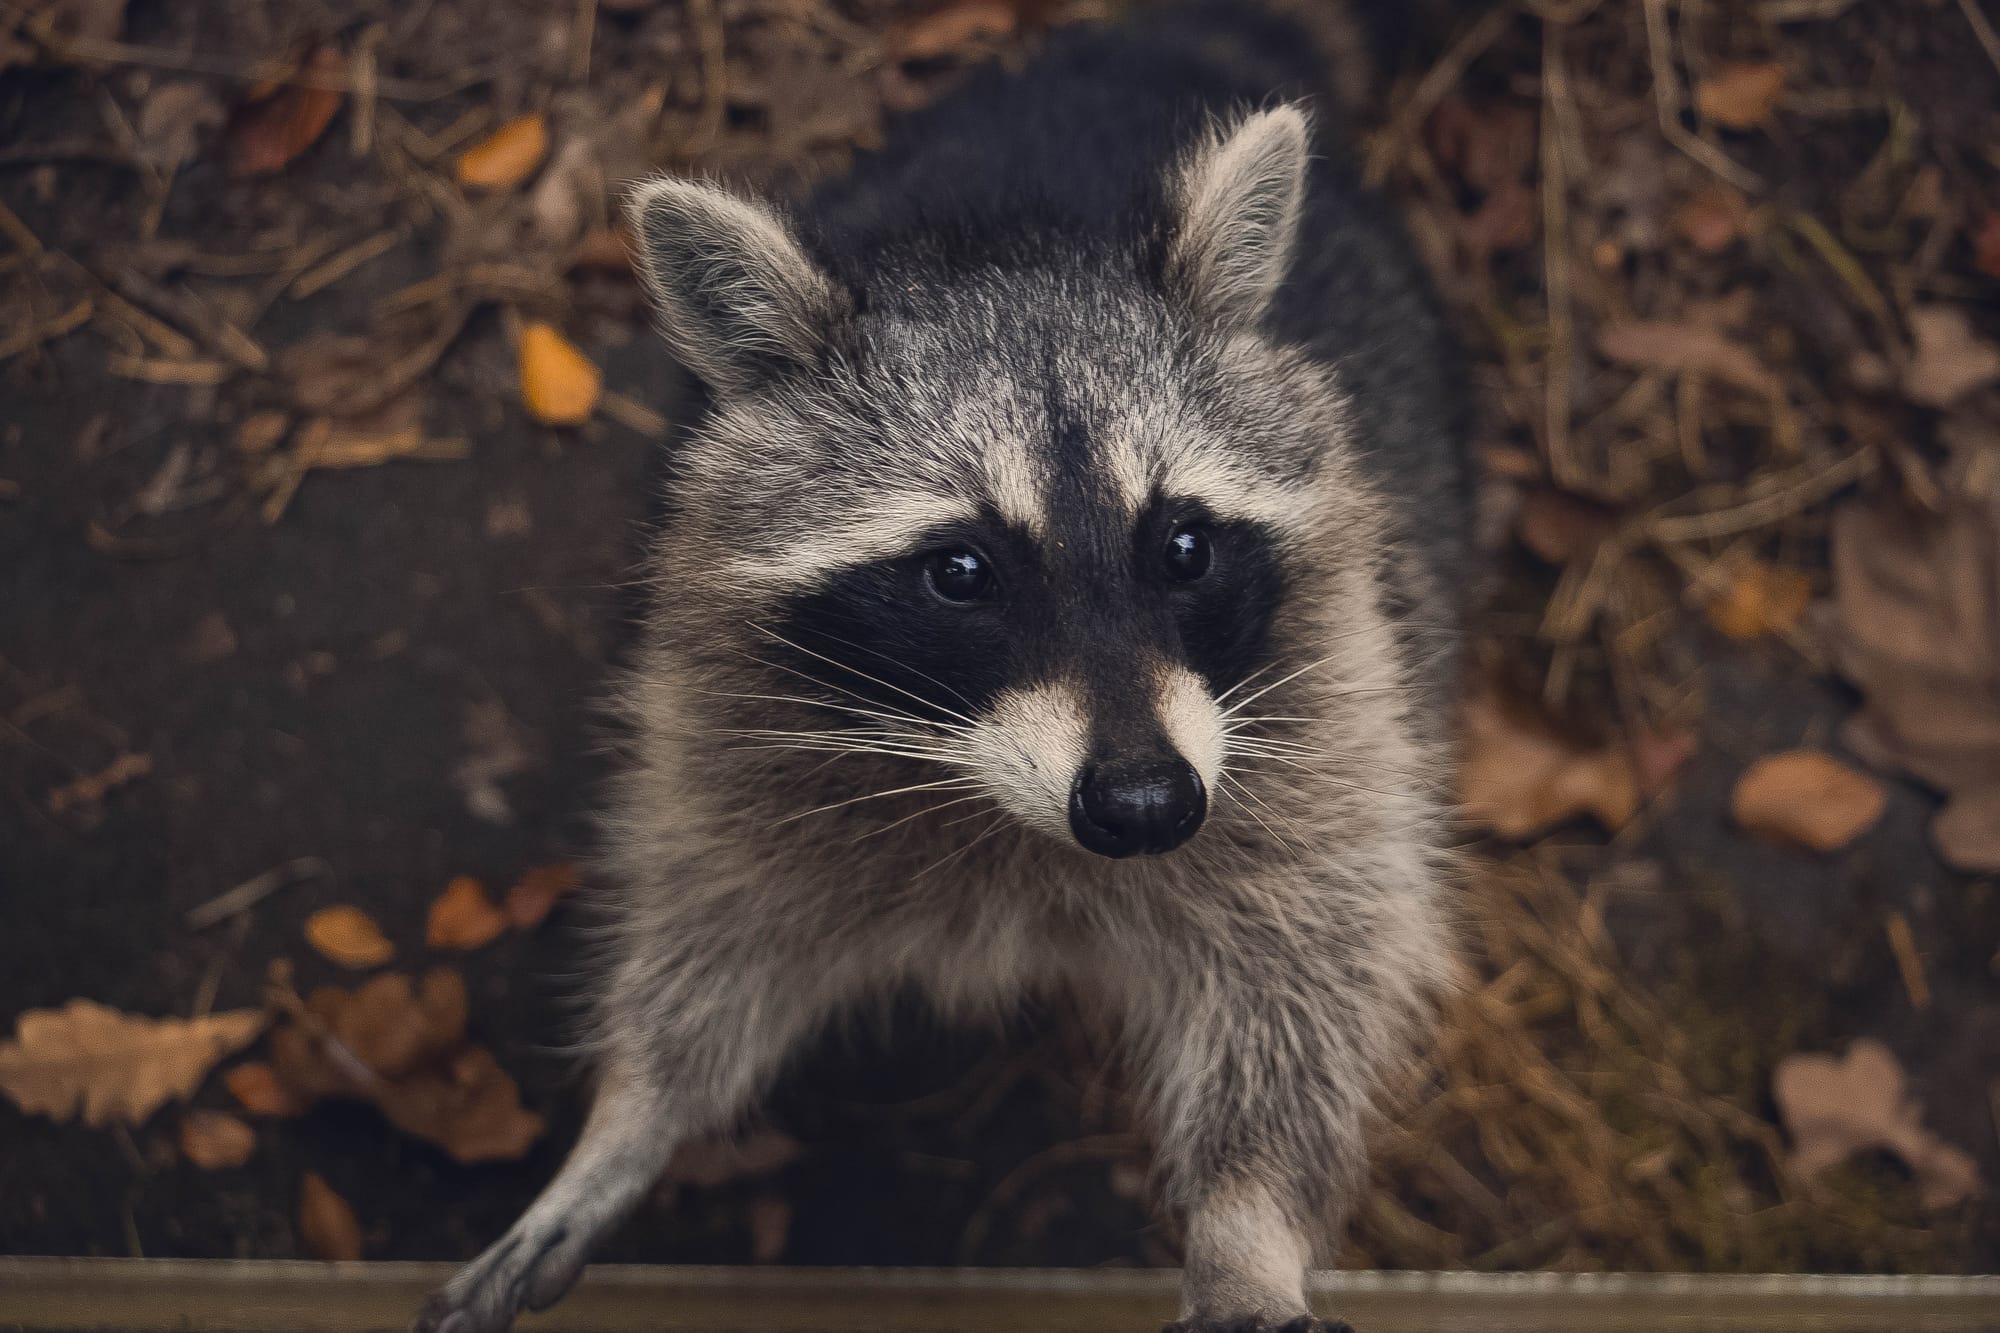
pixel 1187 554
pixel 959 576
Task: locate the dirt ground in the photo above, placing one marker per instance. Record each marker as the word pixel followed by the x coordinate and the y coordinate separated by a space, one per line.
pixel 379 668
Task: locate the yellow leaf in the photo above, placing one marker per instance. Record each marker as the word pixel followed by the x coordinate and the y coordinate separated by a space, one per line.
pixel 1760 599
pixel 531 900
pixel 326 1222
pixel 505 157
pixel 213 1140
pixel 348 936
pixel 116 1066
pixel 1741 96
pixel 558 383
pixel 1807 798
pixel 463 917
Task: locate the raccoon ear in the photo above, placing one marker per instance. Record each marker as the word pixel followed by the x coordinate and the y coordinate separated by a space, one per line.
pixel 1237 198
pixel 739 300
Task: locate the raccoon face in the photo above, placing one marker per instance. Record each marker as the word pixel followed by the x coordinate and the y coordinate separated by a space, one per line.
pixel 1029 519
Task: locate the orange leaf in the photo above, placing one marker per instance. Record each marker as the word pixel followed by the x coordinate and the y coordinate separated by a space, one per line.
pixel 463 917
pixel 348 936
pixel 268 133
pixel 216 1139
pixel 1760 599
pixel 507 156
pixel 1808 799
pixel 1517 776
pixel 326 1223
pixel 1741 96
pixel 558 383
pixel 531 900
pixel 257 1089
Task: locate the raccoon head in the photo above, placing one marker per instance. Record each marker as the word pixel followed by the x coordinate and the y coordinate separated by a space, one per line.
pixel 1029 507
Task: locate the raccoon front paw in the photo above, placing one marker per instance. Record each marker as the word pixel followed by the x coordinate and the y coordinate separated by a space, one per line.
pixel 1304 1323
pixel 521 1272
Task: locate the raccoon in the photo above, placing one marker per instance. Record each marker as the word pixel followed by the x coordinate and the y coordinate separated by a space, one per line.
pixel 1056 589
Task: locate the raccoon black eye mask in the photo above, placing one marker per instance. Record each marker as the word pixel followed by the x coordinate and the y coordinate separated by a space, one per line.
pixel 1038 609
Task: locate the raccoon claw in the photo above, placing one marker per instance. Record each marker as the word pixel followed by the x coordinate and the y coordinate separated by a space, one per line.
pixel 519 1273
pixel 1301 1323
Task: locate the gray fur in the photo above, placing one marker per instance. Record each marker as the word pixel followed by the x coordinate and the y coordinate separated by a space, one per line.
pixel 1269 976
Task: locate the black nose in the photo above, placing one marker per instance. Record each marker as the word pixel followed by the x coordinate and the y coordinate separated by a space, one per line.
pixel 1125 809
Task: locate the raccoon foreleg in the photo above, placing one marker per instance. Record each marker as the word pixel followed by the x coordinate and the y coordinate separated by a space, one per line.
pixel 690 1039
pixel 1262 1093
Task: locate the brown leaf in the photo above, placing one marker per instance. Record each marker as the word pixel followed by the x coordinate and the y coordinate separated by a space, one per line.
pixel 1559 527
pixel 1836 1108
pixel 952 28
pixel 531 900
pixel 401 1048
pixel 558 383
pixel 115 1066
pixel 1916 624
pixel 1986 246
pixel 709 1162
pixel 348 936
pixel 258 1090
pixel 326 1223
pixel 1948 360
pixel 1808 799
pixel 1712 218
pixel 1517 776
pixel 1682 347
pixel 1759 599
pixel 213 1140
pixel 269 132
pixel 506 157
pixel 1741 96
pixel 463 917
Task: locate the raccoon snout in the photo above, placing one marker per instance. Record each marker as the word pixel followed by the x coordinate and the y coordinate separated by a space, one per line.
pixel 1123 809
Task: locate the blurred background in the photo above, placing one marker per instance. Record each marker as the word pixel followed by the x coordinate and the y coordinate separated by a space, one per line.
pixel 325 399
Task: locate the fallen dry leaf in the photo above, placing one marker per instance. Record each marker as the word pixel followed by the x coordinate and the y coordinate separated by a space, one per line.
pixel 1712 218
pixel 1759 599
pixel 1518 777
pixel 558 383
pixel 1948 360
pixel 1808 799
pixel 213 1140
pixel 1683 347
pixel 1836 1108
pixel 348 936
pixel 256 1088
pixel 463 917
pixel 506 157
pixel 953 28
pixel 268 132
pixel 116 1066
pixel 1916 624
pixel 1986 246
pixel 326 1223
pixel 531 899
pixel 402 1048
pixel 1741 96
pixel 1560 527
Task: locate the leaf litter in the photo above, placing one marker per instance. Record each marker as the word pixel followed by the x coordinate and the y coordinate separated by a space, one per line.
pixel 110 1067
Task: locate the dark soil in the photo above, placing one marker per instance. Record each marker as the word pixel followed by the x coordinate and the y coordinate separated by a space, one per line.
pixel 388 602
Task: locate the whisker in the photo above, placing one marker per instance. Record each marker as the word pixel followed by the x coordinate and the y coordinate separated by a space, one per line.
pixel 989 831
pixel 927 810
pixel 949 784
pixel 888 685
